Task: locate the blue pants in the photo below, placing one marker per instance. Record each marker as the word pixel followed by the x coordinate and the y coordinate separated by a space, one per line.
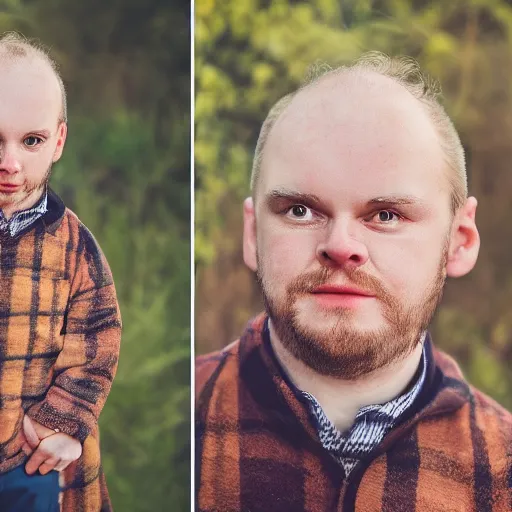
pixel 20 492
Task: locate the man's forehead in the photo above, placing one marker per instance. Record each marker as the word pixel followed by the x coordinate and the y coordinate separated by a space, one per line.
pixel 355 133
pixel 350 176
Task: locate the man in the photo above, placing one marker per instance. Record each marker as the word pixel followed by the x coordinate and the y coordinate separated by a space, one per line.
pixel 59 317
pixel 335 398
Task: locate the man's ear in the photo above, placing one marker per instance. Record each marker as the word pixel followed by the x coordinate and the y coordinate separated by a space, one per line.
pixel 249 242
pixel 464 241
pixel 61 140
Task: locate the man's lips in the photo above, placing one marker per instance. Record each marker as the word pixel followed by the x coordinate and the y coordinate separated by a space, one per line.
pixel 341 290
pixel 337 296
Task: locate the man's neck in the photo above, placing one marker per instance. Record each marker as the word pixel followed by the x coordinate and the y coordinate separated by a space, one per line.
pixel 342 399
pixel 25 204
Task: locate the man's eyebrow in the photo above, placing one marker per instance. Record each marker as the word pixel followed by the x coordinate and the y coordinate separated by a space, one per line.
pixel 45 132
pixel 290 195
pixel 395 200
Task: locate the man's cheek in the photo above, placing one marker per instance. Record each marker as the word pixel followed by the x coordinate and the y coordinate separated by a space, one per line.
pixel 287 255
pixel 407 283
pixel 402 267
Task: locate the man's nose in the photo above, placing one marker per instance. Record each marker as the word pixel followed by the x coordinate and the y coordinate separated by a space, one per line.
pixel 341 248
pixel 9 162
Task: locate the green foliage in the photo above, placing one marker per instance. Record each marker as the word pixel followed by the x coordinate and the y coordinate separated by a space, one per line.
pixel 126 173
pixel 249 53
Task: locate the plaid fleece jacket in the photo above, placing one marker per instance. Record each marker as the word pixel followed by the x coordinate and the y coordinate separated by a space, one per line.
pixel 257 449
pixel 59 345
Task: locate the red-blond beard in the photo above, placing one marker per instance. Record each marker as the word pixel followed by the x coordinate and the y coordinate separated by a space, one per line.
pixel 343 352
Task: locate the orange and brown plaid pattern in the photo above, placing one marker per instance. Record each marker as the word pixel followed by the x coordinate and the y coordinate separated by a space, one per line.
pixel 59 345
pixel 257 449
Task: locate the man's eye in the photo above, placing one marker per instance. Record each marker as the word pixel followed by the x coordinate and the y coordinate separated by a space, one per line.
pixel 300 212
pixel 387 217
pixel 32 141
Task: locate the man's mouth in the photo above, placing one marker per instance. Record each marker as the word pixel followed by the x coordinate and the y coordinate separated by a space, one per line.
pixel 341 290
pixel 340 296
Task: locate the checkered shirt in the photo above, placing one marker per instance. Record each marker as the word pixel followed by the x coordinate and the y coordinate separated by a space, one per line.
pixel 24 218
pixel 372 423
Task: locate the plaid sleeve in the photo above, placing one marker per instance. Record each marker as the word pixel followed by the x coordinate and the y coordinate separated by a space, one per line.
pixel 86 366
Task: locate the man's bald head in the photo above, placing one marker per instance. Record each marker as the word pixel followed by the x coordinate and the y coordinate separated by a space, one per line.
pixel 16 49
pixel 373 75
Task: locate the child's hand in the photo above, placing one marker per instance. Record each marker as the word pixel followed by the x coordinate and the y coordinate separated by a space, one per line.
pixel 48 449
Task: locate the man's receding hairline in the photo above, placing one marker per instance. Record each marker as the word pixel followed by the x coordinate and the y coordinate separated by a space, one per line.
pixel 348 72
pixel 403 71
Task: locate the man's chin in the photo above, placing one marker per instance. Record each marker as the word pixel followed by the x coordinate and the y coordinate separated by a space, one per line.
pixel 324 319
pixel 331 335
pixel 343 353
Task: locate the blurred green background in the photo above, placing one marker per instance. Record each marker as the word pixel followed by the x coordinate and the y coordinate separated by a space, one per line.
pixel 249 53
pixel 126 173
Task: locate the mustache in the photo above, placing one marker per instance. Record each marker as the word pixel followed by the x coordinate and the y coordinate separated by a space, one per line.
pixel 308 282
